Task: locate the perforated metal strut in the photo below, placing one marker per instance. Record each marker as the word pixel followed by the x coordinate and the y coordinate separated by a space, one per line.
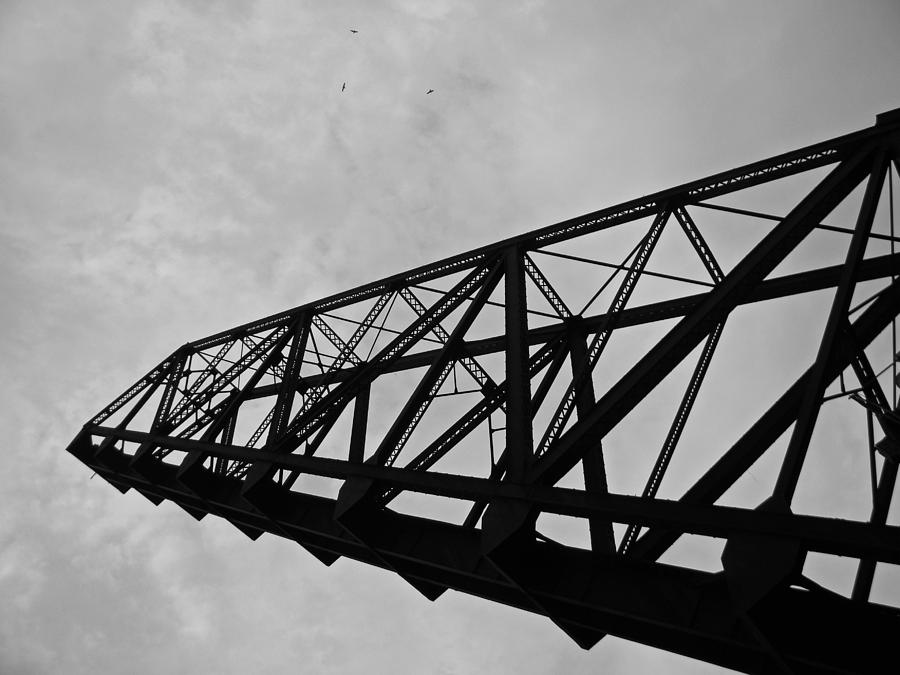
pixel 489 417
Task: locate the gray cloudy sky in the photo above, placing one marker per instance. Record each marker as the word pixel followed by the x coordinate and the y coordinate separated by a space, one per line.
pixel 169 169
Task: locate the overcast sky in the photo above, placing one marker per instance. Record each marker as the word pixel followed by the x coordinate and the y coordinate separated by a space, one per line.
pixel 170 169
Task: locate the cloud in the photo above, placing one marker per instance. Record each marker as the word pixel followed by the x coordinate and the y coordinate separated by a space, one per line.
pixel 174 168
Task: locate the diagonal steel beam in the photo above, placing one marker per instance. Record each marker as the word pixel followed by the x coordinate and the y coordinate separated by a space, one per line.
pixel 331 405
pixel 677 426
pixel 546 288
pixel 593 465
pixel 690 395
pixel 424 393
pixel 479 374
pixel 809 407
pixel 439 448
pixel 601 339
pixel 775 421
pixel 663 358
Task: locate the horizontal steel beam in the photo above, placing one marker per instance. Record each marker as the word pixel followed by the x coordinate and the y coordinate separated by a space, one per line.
pixel 684 611
pixel 828 535
pixel 791 284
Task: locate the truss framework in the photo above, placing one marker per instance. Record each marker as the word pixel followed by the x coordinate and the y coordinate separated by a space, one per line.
pixel 235 425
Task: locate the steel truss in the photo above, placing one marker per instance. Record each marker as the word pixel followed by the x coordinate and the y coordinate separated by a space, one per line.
pixel 236 424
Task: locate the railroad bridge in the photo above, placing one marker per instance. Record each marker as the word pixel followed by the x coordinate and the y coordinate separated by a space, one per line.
pixel 557 421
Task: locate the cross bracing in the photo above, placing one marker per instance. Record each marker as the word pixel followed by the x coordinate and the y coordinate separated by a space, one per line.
pixel 549 421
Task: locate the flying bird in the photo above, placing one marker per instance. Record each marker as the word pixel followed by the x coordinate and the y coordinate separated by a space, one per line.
pixel 353 30
pixel 343 86
pixel 429 91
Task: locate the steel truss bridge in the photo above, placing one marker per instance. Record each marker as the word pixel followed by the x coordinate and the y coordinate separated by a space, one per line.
pixel 432 422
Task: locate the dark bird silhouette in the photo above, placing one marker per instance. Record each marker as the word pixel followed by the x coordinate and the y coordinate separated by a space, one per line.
pixel 343 86
pixel 353 30
pixel 429 91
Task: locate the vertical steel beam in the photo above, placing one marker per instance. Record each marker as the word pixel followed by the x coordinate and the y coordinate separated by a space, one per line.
pixel 360 422
pixel 507 534
pixel 881 503
pixel 865 572
pixel 519 440
pixel 499 467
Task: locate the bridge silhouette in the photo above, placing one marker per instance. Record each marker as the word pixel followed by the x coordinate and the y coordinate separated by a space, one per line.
pixel 468 424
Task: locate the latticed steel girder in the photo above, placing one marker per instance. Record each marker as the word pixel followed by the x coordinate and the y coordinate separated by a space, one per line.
pixel 294 424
